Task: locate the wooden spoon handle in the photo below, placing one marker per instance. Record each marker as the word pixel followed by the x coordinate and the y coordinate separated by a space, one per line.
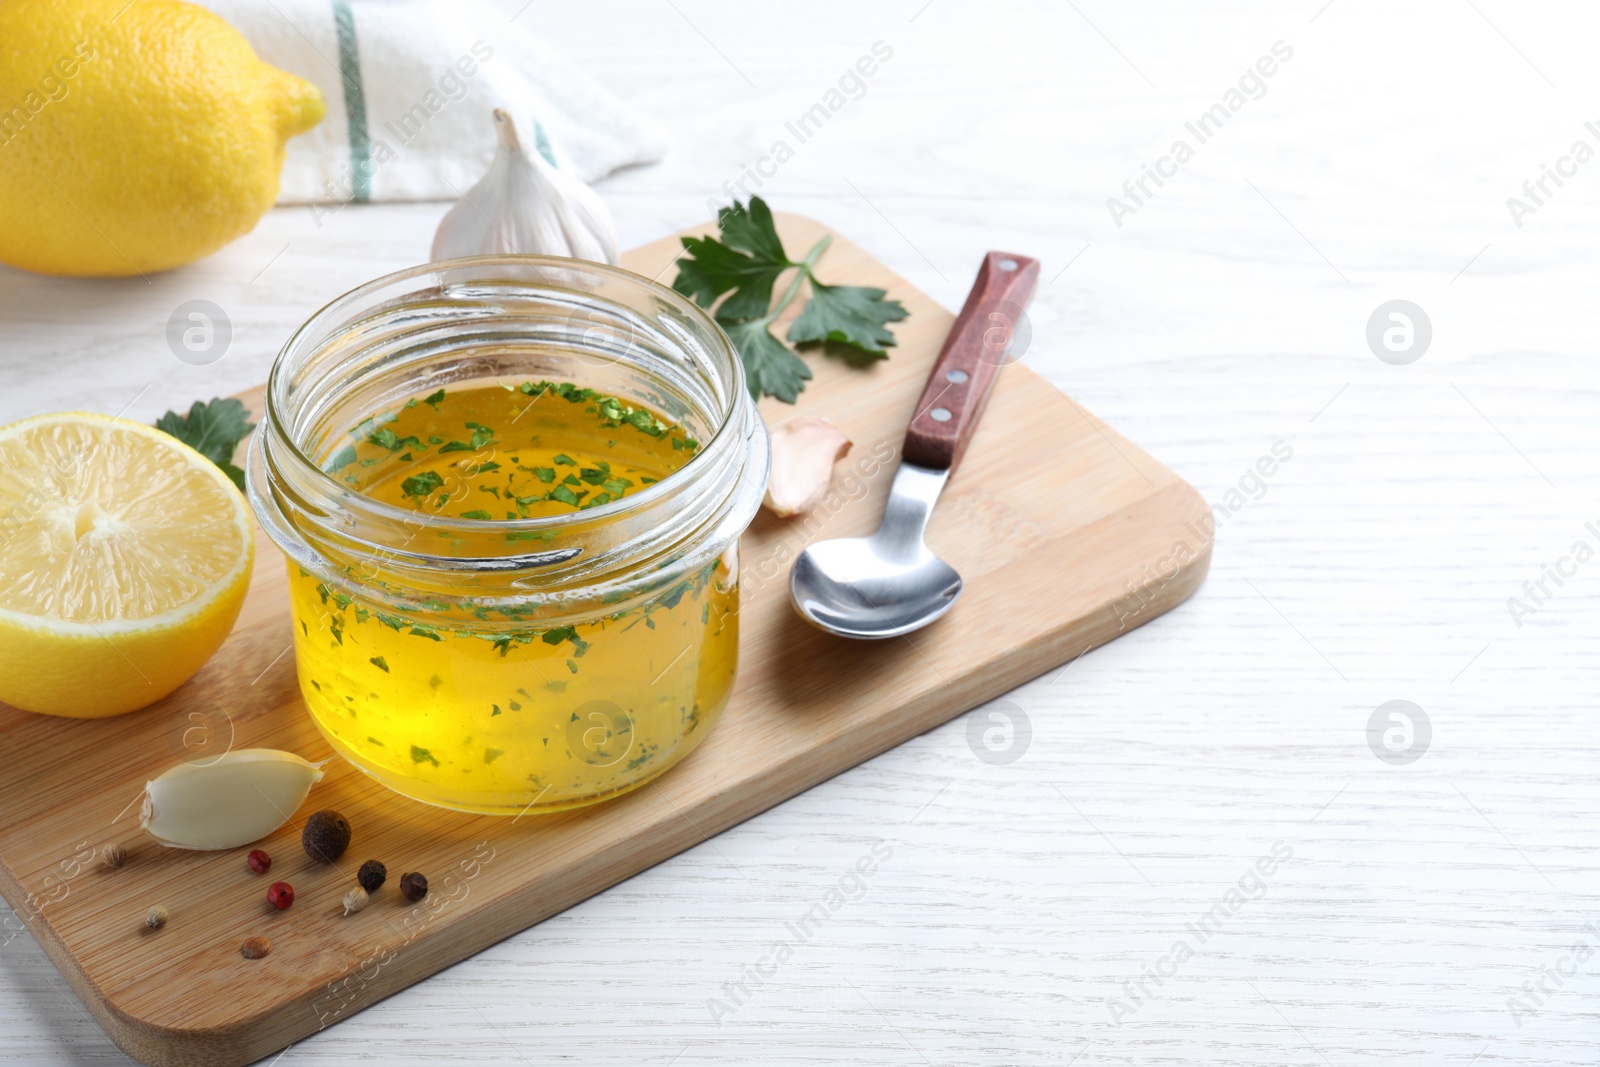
pixel 970 361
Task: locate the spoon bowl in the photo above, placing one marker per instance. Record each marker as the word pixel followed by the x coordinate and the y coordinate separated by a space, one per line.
pixel 884 585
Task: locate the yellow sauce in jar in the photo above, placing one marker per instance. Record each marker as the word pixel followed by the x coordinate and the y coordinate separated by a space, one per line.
pixel 491 718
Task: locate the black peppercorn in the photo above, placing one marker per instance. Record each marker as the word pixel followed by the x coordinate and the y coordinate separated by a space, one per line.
pixel 371 875
pixel 413 886
pixel 326 836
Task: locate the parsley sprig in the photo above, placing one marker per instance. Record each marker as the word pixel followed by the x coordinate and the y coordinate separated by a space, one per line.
pixel 212 429
pixel 741 269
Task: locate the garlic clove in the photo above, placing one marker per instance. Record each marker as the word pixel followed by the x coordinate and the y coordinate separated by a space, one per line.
pixel 233 800
pixel 525 206
pixel 804 451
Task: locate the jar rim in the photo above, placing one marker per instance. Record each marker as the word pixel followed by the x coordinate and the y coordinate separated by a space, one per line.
pixel 328 313
pixel 385 335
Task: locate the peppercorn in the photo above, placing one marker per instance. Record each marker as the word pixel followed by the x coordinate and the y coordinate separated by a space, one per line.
pixel 255 947
pixel 280 895
pixel 157 917
pixel 355 900
pixel 371 875
pixel 114 856
pixel 259 861
pixel 326 836
pixel 413 886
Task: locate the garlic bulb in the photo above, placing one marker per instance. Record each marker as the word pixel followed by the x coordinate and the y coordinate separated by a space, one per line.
pixel 238 798
pixel 524 205
pixel 804 451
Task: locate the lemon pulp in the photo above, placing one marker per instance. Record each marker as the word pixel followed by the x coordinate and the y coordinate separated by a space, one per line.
pixel 124 559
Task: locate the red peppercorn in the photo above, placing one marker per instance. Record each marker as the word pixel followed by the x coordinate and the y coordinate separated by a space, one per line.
pixel 259 861
pixel 280 895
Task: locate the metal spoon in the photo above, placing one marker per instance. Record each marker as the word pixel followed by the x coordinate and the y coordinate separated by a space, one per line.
pixel 889 584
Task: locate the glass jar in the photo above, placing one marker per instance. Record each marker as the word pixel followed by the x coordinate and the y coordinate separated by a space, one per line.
pixel 524 664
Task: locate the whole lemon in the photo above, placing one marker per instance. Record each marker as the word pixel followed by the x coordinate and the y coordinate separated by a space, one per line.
pixel 135 135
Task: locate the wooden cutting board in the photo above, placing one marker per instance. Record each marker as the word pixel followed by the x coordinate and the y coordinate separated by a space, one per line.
pixel 1065 533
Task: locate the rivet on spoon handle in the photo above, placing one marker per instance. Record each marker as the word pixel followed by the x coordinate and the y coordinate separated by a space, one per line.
pixel 970 361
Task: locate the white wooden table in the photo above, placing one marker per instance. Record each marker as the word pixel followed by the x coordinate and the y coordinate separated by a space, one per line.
pixel 1227 313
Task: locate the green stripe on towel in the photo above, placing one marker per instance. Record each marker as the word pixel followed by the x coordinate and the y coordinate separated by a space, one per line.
pixel 355 103
pixel 542 143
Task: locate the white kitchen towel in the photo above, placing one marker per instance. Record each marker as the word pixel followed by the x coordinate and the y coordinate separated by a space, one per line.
pixel 410 86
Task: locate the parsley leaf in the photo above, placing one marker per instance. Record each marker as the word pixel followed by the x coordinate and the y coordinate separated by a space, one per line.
pixel 420 485
pixel 771 368
pixel 746 261
pixel 212 429
pixel 751 230
pixel 341 459
pixel 852 315
pixel 385 438
pixel 740 268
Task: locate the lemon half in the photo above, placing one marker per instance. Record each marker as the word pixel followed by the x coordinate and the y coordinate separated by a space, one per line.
pixel 124 559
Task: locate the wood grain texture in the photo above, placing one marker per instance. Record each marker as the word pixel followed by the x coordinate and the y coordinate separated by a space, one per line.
pixel 1207 328
pixel 1067 535
pixel 977 348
